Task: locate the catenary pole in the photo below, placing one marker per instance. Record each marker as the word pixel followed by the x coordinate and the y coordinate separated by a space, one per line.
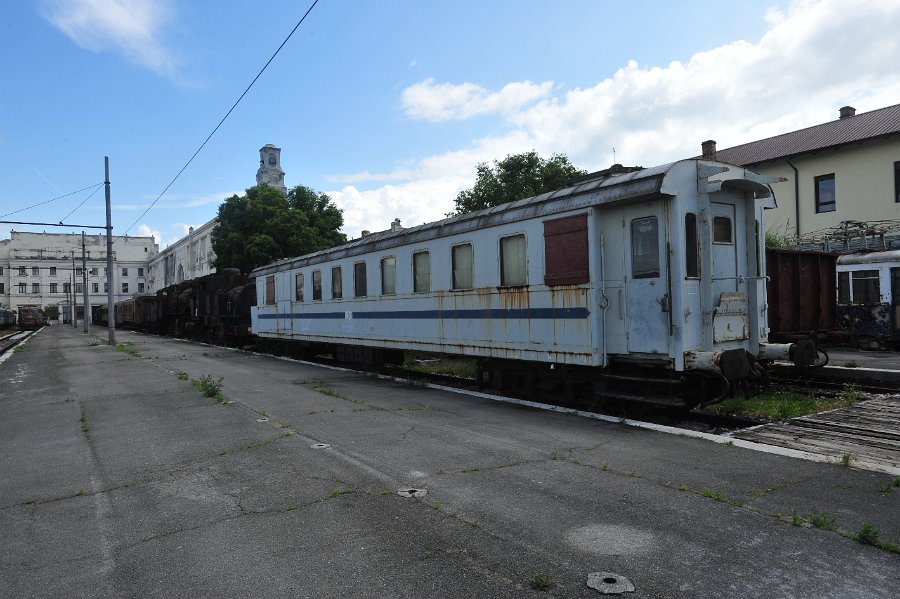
pixel 110 314
pixel 84 284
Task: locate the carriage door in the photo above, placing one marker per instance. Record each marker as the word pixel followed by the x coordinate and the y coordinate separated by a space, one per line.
pixel 724 250
pixel 647 289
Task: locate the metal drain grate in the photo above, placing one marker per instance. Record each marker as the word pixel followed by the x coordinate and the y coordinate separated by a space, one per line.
pixel 262 419
pixel 609 583
pixel 319 446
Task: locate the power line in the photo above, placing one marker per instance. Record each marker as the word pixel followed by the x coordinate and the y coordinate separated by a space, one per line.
pixel 261 71
pixel 81 204
pixel 96 185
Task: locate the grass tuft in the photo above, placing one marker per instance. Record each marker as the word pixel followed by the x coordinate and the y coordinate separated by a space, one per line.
pixel 540 582
pixel 208 386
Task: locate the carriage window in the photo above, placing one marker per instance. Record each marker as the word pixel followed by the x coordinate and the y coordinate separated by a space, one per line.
pixel 462 266
pixel 317 285
pixel 722 229
pixel 421 272
pixel 644 248
pixel 270 289
pixel 298 287
pixel 691 247
pixel 337 288
pixel 359 279
pixel 512 261
pixel 843 287
pixel 566 251
pixel 866 288
pixel 388 275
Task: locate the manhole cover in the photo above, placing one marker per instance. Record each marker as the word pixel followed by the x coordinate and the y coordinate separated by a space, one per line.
pixel 319 446
pixel 262 419
pixel 609 583
pixel 415 493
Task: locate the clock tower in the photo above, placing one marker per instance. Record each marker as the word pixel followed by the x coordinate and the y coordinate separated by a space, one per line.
pixel 270 168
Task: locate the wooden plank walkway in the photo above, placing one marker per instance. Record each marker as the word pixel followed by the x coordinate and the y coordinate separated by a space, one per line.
pixel 869 432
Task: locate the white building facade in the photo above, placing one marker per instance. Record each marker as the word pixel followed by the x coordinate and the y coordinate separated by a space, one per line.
pixel 188 258
pixel 38 268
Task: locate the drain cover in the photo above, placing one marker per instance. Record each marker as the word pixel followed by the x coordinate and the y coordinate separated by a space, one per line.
pixel 319 446
pixel 262 419
pixel 415 493
pixel 609 583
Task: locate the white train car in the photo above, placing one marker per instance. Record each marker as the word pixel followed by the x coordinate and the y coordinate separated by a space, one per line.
pixel 869 295
pixel 649 280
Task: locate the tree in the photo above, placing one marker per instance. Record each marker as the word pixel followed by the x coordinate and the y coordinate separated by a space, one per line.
pixel 265 225
pixel 515 177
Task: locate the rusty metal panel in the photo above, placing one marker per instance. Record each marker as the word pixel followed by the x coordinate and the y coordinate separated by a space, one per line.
pixel 801 291
pixel 566 250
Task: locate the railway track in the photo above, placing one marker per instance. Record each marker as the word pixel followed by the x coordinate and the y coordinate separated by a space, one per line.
pixel 9 341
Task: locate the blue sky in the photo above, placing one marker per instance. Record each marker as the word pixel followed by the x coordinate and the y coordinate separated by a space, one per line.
pixel 388 106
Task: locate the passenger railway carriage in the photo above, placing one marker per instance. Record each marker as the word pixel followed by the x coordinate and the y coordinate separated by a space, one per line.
pixel 869 295
pixel 645 284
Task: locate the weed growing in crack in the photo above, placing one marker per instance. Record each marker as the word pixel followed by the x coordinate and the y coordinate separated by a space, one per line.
pixel 846 460
pixel 183 376
pixel 821 520
pixel 867 535
pixel 539 582
pixel 341 491
pixel 207 385
pixel 84 425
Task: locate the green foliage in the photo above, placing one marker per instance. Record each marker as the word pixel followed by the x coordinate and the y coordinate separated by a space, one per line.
pixel 783 405
pixel 515 177
pixel 51 312
pixel 263 225
pixel 540 582
pixel 822 520
pixel 867 535
pixel 208 386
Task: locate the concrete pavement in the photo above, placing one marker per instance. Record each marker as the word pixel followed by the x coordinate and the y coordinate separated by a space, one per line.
pixel 119 479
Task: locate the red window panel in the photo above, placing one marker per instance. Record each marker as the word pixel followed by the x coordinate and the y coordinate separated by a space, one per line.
pixel 566 251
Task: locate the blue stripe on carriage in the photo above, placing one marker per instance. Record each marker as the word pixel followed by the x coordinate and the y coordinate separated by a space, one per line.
pixel 499 313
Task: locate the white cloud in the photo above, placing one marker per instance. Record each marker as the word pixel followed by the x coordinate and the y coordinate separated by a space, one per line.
pixel 146 231
pixel 130 27
pixel 816 56
pixel 445 101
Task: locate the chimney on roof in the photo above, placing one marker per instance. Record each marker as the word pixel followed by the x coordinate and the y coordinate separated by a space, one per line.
pixel 847 112
pixel 709 149
pixel 366 233
pixel 395 225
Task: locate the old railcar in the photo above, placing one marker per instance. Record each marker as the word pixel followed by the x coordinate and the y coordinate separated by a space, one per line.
pixel 868 296
pixel 7 318
pixel 644 285
pixel 31 317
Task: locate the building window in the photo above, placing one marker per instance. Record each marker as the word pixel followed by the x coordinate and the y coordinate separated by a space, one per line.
pixel 36 288
pixel 461 264
pixel 78 272
pixel 23 288
pixel 896 188
pixel 124 287
pixel 67 288
pixel 124 272
pixel 22 272
pixel 298 287
pixel 337 288
pixel 54 287
pixel 140 287
pixel 140 271
pixel 317 285
pixel 359 279
pixel 105 287
pixel 513 261
pixel 1 270
pixel 645 248
pixel 270 289
pixel 95 272
pixel 79 288
pixel 35 271
pixel 422 272
pixel 388 276
pixel 52 271
pixel 95 288
pixel 825 193
pixel 691 247
pixel 2 287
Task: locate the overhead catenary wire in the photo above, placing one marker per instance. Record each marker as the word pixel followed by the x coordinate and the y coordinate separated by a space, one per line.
pixel 71 193
pixel 63 219
pixel 230 110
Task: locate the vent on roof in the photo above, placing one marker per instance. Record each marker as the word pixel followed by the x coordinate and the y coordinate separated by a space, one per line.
pixel 847 111
pixel 395 226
